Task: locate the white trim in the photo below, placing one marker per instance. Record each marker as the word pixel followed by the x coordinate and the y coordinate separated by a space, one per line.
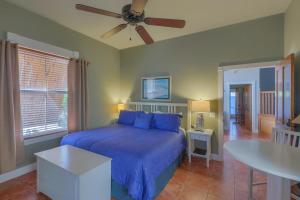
pixel 29 141
pixel 221 113
pixel 34 44
pixel 43 133
pixel 17 172
pixel 250 65
pixel 255 100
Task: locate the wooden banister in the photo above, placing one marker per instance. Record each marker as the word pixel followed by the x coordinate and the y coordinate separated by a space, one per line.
pixel 267 103
pixel 267 112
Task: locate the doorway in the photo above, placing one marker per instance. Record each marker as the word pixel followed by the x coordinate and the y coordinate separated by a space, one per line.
pixel 240 101
pixel 241 98
pixel 284 92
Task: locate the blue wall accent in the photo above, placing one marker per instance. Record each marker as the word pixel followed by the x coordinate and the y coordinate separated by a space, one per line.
pixel 267 79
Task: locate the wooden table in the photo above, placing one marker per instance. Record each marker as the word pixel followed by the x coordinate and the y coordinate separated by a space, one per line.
pixel 68 172
pixel 280 162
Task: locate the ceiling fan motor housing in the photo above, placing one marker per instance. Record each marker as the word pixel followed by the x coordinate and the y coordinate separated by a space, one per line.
pixel 129 17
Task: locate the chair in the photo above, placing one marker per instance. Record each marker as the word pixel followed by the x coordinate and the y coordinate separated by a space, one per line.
pixel 280 135
pixel 288 137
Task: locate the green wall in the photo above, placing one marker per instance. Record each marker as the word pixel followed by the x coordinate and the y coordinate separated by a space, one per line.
pixel 193 60
pixel 103 72
pixel 292 44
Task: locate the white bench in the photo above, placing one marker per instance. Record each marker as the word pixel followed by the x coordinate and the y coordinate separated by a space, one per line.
pixel 67 172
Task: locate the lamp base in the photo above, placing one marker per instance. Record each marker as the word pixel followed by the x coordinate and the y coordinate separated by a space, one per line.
pixel 199 122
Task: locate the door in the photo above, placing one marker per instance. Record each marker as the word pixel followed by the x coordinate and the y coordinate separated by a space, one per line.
pixel 285 90
pixel 239 106
pixel 248 106
pixel 232 104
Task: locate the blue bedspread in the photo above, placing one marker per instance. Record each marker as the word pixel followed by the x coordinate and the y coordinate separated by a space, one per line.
pixel 138 155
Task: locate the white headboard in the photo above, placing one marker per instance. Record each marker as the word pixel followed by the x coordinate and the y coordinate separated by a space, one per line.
pixel 179 108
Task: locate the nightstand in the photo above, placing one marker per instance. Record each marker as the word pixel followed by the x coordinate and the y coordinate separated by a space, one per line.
pixel 204 135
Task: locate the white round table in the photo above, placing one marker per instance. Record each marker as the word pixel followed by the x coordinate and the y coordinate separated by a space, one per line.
pixel 280 162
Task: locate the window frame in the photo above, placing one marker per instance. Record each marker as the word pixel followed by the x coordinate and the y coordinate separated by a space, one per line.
pixel 47 134
pixel 43 138
pixel 43 47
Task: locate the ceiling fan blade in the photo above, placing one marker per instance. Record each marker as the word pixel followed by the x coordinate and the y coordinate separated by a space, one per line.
pixel 114 31
pixel 173 23
pixel 97 11
pixel 144 34
pixel 137 7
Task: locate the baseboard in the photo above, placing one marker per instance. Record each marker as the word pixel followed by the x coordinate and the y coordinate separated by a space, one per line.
pixel 216 157
pixel 17 172
pixel 213 156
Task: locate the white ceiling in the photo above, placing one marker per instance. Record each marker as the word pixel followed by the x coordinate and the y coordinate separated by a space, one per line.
pixel 200 15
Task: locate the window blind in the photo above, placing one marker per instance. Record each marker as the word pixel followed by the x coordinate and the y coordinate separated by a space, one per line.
pixel 44 92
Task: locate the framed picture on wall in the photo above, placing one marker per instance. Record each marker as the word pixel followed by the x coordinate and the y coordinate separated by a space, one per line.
pixel 156 88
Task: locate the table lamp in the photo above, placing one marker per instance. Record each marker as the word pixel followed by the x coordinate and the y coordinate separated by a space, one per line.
pixel 117 109
pixel 120 107
pixel 200 107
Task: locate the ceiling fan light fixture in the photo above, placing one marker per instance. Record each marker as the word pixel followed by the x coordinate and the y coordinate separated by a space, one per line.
pixel 137 7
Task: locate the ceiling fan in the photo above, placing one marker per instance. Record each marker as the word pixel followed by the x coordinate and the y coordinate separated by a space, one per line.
pixel 133 14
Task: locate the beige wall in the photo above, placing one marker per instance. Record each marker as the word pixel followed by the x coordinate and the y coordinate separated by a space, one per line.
pixel 193 60
pixel 103 72
pixel 292 43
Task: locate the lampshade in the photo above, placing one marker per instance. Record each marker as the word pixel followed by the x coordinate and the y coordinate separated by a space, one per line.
pixel 121 106
pixel 200 106
pixel 296 120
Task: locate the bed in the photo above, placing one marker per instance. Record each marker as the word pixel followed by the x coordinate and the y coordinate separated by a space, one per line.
pixel 143 160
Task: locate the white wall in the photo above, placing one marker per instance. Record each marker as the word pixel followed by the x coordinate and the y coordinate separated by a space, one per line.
pixel 242 76
pixel 292 43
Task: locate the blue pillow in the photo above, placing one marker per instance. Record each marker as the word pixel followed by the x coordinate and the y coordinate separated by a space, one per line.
pixel 143 121
pixel 169 122
pixel 127 117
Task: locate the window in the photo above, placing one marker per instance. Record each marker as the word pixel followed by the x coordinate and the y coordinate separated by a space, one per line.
pixel 44 93
pixel 232 103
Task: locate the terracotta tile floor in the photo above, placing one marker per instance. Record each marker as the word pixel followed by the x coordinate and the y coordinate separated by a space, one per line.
pixel 222 181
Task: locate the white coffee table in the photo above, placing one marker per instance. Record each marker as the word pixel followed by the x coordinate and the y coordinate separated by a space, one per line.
pixel 68 172
pixel 280 162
